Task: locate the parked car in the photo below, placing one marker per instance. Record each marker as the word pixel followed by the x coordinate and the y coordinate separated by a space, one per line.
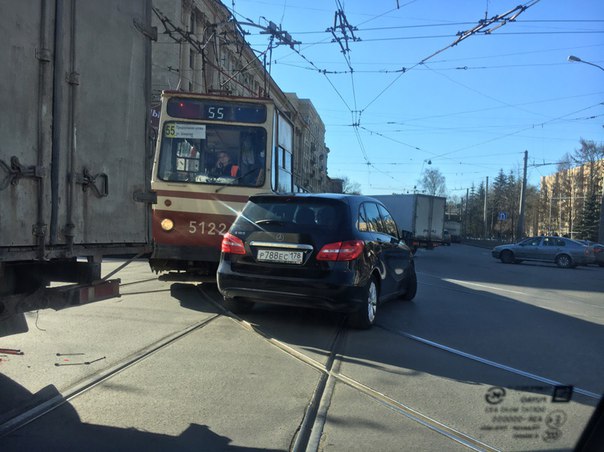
pixel 565 253
pixel 329 251
pixel 598 250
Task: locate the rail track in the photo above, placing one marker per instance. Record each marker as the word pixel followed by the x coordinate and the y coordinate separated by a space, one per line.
pixel 311 426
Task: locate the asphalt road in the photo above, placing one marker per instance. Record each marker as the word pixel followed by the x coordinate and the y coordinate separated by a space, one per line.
pixel 481 359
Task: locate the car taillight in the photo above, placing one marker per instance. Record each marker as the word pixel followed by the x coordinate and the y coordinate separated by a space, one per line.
pixel 232 244
pixel 341 251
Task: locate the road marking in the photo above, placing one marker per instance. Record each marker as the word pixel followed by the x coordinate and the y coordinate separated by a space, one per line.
pixel 545 299
pixel 488 362
pixel 484 286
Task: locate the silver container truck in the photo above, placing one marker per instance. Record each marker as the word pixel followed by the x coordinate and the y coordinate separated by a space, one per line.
pixel 420 218
pixel 75 149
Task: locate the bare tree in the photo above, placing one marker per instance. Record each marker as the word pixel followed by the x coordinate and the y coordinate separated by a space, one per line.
pixel 433 182
pixel 588 154
pixel 350 187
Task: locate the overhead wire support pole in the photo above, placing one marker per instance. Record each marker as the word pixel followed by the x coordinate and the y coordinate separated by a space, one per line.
pixel 520 226
pixel 486 195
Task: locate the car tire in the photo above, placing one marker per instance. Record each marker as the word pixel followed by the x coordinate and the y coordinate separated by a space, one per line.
pixel 237 306
pixel 507 257
pixel 364 317
pixel 564 261
pixel 411 287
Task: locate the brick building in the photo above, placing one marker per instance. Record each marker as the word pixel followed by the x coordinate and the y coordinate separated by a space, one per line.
pixel 563 197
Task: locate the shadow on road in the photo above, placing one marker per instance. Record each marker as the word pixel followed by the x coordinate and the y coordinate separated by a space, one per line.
pixel 74 434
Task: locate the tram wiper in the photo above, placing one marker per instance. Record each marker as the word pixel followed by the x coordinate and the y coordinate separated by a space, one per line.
pixel 279 222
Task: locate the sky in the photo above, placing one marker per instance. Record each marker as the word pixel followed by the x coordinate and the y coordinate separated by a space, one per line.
pixel 397 97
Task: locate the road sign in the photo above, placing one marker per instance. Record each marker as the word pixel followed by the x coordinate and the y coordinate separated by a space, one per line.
pixel 502 216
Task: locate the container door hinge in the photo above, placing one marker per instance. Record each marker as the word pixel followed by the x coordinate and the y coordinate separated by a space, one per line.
pixel 44 55
pixel 38 230
pixel 16 171
pixel 73 78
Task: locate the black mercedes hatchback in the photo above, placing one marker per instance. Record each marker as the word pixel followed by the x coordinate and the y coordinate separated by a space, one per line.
pixel 328 251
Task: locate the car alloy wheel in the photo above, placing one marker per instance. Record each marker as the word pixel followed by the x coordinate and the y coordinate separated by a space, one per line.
pixel 372 302
pixel 364 317
pixel 564 261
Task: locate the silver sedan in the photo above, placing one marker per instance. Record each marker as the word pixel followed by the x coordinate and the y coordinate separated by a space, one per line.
pixel 565 253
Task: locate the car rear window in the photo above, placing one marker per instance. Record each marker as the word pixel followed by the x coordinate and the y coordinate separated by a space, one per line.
pixel 320 213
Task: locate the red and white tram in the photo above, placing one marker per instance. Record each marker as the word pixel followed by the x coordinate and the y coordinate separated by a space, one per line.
pixel 212 153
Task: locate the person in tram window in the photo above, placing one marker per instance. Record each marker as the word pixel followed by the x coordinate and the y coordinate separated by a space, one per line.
pixel 224 166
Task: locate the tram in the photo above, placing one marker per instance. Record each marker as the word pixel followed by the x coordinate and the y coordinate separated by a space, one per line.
pixel 212 153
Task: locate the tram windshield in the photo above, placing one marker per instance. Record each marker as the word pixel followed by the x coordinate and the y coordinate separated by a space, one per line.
pixel 212 154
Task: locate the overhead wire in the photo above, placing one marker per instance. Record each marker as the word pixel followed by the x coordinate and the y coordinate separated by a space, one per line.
pixel 518 131
pixel 482 26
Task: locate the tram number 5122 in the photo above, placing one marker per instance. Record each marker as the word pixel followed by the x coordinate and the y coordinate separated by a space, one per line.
pixel 207 228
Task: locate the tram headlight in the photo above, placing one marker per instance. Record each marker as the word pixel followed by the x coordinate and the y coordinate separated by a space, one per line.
pixel 167 224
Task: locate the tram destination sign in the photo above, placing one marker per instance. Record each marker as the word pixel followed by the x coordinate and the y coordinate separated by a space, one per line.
pixel 189 108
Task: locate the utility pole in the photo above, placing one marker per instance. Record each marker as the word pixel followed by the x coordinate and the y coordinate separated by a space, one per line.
pixel 486 194
pixel 520 226
pixel 601 229
pixel 466 220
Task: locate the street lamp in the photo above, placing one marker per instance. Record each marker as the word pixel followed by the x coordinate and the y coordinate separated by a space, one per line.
pixel 579 60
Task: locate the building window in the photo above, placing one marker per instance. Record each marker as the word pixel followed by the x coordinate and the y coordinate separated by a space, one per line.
pixel 193 23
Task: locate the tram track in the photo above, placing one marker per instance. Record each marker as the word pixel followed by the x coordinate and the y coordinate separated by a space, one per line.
pixel 311 426
pixel 21 420
pixel 310 431
pixel 487 362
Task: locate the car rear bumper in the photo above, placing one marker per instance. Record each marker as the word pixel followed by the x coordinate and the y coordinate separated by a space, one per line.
pixel 336 292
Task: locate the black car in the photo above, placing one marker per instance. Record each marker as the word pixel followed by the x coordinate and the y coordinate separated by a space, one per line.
pixel 328 251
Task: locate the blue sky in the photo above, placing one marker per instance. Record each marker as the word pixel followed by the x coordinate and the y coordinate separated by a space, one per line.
pixel 469 110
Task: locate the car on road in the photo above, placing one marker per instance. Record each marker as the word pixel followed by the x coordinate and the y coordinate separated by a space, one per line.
pixel 564 252
pixel 329 251
pixel 598 250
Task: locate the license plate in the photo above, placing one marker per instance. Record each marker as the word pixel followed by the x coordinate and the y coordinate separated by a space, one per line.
pixel 284 257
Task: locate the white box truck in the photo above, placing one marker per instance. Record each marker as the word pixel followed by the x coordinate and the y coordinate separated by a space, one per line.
pixel 419 218
pixel 454 228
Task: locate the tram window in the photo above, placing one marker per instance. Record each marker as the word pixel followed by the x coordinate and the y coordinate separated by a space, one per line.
pixel 229 155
